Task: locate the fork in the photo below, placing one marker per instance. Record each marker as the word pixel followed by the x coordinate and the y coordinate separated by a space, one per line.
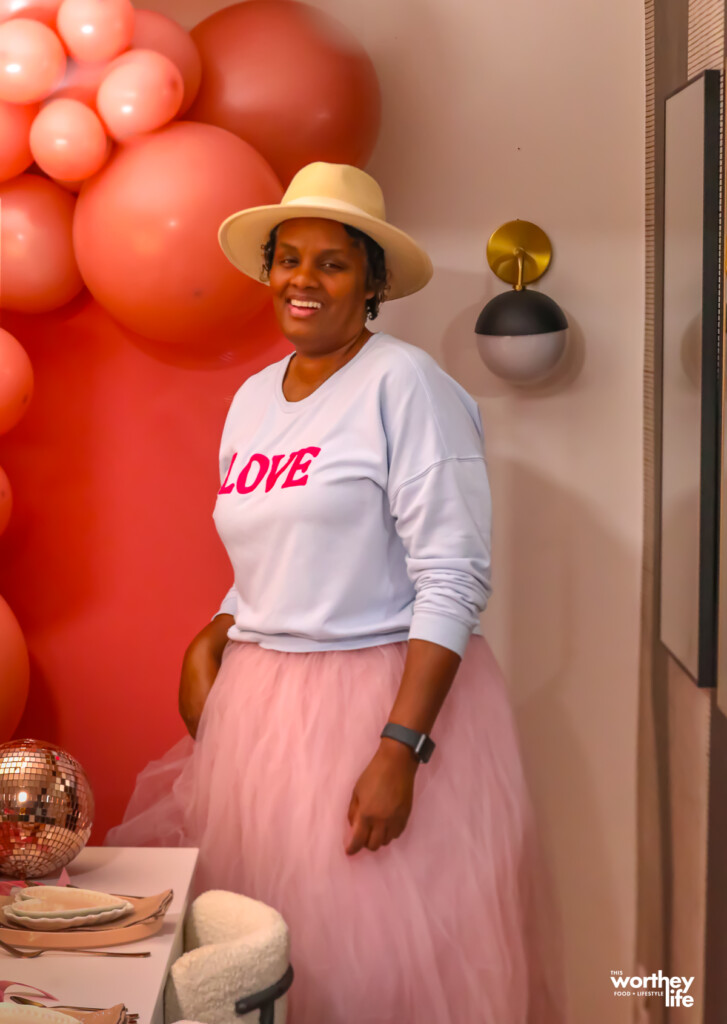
pixel 132 1018
pixel 31 954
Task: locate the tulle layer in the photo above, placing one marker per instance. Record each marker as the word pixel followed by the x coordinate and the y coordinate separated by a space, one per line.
pixel 449 924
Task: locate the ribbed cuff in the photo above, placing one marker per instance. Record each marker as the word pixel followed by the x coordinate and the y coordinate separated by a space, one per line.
pixel 440 629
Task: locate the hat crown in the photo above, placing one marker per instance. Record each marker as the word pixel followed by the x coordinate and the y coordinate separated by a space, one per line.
pixel 340 183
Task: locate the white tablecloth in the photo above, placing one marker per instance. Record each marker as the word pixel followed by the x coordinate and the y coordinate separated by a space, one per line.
pixel 104 981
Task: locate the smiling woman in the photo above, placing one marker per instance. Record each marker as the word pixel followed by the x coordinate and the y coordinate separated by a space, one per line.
pixel 355 507
pixel 321 278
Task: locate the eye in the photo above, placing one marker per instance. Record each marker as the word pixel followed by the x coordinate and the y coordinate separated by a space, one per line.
pixel 285 260
pixel 333 266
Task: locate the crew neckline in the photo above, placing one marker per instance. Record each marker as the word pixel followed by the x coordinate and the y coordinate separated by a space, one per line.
pixel 304 402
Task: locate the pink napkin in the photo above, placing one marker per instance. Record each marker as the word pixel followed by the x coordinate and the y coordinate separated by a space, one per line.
pixel 24 986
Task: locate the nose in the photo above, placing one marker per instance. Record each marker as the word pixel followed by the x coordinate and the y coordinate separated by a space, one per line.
pixel 303 275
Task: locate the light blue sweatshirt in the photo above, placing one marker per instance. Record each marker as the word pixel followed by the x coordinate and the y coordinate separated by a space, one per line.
pixel 359 515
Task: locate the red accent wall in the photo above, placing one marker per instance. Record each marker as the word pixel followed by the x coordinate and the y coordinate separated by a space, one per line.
pixel 111 561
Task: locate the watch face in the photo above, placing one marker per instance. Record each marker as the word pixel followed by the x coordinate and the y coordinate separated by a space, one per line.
pixel 424 748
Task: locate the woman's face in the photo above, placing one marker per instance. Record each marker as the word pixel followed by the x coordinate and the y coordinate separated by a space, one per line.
pixel 318 282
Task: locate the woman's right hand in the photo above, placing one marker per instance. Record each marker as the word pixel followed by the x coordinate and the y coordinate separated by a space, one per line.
pixel 200 666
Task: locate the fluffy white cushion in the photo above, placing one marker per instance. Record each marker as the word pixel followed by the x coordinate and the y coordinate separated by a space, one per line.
pixel 235 946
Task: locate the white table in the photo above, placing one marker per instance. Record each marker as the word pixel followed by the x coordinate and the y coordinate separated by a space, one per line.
pixel 81 980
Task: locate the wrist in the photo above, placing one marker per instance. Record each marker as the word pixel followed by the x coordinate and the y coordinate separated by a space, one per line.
pixel 397 753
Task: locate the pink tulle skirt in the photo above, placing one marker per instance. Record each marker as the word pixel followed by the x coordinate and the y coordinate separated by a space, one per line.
pixel 449 924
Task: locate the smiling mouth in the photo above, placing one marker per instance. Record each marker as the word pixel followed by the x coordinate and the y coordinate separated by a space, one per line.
pixel 303 307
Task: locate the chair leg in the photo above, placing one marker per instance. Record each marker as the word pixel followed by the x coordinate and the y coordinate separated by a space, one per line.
pixel 266 998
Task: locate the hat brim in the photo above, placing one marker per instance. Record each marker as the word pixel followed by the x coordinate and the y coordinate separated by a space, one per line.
pixel 242 235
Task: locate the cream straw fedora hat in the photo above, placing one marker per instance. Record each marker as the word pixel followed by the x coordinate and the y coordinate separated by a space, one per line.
pixel 335 192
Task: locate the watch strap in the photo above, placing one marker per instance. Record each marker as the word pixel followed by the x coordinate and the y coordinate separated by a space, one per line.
pixel 422 745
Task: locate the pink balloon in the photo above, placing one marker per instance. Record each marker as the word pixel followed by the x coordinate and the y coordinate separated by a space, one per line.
pixel 16 381
pixel 32 61
pixel 145 233
pixel 291 81
pixel 14 672
pixel 154 31
pixel 81 82
pixel 15 122
pixel 141 92
pixel 39 271
pixel 6 500
pixel 68 140
pixel 95 30
pixel 38 10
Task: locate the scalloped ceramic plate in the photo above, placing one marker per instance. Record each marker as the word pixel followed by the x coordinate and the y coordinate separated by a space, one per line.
pixel 14 1014
pixel 61 922
pixel 51 901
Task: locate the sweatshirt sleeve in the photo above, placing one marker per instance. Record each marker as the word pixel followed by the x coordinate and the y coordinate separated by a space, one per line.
pixel 439 496
pixel 229 603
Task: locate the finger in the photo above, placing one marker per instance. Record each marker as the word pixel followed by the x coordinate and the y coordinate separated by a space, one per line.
pixel 396 827
pixel 378 836
pixel 359 836
pixel 352 807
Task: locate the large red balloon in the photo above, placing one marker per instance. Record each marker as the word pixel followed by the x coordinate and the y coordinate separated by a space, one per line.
pixel 154 31
pixel 15 122
pixel 14 672
pixel 145 232
pixel 39 271
pixel 16 381
pixel 291 81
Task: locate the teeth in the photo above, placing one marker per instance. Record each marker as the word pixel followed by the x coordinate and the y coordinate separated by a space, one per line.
pixel 305 305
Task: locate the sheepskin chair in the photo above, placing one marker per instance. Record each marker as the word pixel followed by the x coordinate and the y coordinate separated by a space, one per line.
pixel 235 947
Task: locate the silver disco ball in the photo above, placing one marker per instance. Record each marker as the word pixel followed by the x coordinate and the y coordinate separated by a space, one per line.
pixel 46 808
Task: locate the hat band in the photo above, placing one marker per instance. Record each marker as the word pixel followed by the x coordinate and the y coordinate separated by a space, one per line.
pixel 337 205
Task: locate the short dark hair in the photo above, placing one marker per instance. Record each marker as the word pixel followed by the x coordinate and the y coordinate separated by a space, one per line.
pixel 377 276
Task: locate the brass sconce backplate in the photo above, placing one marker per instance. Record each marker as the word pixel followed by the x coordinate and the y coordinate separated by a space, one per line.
pixel 519 244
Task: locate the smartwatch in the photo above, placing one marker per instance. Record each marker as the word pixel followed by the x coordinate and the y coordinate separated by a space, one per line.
pixel 419 742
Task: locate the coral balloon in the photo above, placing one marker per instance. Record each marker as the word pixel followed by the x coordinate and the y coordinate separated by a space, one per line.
pixel 32 61
pixel 14 672
pixel 39 271
pixel 95 30
pixel 38 10
pixel 6 500
pixel 154 31
pixel 68 140
pixel 141 92
pixel 16 381
pixel 15 122
pixel 81 82
pixel 290 81
pixel 145 232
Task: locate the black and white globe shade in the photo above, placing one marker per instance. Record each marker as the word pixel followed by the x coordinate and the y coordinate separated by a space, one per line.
pixel 521 336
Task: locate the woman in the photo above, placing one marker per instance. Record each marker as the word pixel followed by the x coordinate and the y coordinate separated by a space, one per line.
pixel 355 508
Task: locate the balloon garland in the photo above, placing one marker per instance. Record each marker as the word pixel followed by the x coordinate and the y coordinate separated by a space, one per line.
pixel 16 389
pixel 92 96
pixel 162 133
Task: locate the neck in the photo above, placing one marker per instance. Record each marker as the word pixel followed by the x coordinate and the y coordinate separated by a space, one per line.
pixel 310 368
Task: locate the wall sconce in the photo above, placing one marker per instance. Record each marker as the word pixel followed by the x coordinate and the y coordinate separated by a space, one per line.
pixel 521 335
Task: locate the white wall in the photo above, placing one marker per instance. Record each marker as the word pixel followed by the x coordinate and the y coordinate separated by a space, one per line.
pixel 495 111
pixel 523 109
